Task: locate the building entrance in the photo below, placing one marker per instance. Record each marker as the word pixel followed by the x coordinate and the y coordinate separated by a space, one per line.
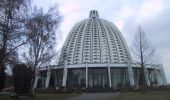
pixel 98 78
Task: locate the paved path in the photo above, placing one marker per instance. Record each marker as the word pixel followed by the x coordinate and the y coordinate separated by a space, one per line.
pixel 95 96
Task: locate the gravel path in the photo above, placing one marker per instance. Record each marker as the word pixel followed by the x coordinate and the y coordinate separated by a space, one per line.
pixel 95 96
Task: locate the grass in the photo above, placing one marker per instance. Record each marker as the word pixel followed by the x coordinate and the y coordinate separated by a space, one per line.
pixel 39 97
pixel 154 95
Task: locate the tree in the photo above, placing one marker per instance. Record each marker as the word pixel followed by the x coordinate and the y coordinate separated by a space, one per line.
pixel 41 28
pixel 12 14
pixel 144 54
pixel 12 59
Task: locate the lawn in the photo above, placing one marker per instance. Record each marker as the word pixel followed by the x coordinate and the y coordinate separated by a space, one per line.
pixel 154 95
pixel 39 97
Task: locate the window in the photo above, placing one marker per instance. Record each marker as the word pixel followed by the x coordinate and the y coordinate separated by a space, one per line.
pixel 85 55
pixel 115 59
pixel 76 59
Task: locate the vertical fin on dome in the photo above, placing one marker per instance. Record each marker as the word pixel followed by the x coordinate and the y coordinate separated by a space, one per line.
pixel 93 14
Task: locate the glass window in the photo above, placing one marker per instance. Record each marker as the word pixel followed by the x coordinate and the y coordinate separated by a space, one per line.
pixel 76 77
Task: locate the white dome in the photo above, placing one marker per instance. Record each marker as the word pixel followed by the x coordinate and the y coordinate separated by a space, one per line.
pixel 94 40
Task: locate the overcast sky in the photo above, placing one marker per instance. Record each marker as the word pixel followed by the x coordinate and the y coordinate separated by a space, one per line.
pixel 152 15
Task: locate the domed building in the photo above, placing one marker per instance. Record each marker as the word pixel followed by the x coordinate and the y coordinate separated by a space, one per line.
pixel 95 54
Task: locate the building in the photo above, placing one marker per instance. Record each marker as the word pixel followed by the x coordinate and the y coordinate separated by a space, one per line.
pixel 95 54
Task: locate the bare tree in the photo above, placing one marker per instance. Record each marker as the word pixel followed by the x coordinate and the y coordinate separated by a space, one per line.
pixel 12 58
pixel 41 33
pixel 41 28
pixel 12 14
pixel 144 54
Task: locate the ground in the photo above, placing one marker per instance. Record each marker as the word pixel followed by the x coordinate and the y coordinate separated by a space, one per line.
pixel 39 97
pixel 95 96
pixel 84 96
pixel 154 95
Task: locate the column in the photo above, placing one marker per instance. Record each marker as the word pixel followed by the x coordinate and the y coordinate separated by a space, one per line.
pixel 162 73
pixel 152 77
pixel 109 76
pixel 158 78
pixel 146 77
pixel 47 78
pixel 130 73
pixel 65 76
pixel 86 76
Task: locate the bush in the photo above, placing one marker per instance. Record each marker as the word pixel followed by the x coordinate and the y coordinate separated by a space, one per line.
pixel 22 78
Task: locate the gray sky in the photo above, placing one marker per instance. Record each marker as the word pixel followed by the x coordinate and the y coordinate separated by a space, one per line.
pixel 152 15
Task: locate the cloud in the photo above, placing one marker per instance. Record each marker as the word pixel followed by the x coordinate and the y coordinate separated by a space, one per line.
pixel 151 8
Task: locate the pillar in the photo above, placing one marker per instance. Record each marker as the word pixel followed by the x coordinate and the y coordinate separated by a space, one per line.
pixel 47 78
pixel 152 76
pixel 130 74
pixel 162 73
pixel 65 76
pixel 146 77
pixel 109 76
pixel 158 78
pixel 86 77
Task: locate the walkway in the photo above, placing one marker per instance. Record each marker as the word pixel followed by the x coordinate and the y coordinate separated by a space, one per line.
pixel 95 96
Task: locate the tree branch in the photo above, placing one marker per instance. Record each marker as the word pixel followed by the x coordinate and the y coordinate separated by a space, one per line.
pixel 16 47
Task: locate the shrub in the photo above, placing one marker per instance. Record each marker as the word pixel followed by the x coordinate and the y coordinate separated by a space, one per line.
pixel 22 78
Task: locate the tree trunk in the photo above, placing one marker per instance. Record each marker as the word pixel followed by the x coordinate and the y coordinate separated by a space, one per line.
pixel 2 66
pixel 142 79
